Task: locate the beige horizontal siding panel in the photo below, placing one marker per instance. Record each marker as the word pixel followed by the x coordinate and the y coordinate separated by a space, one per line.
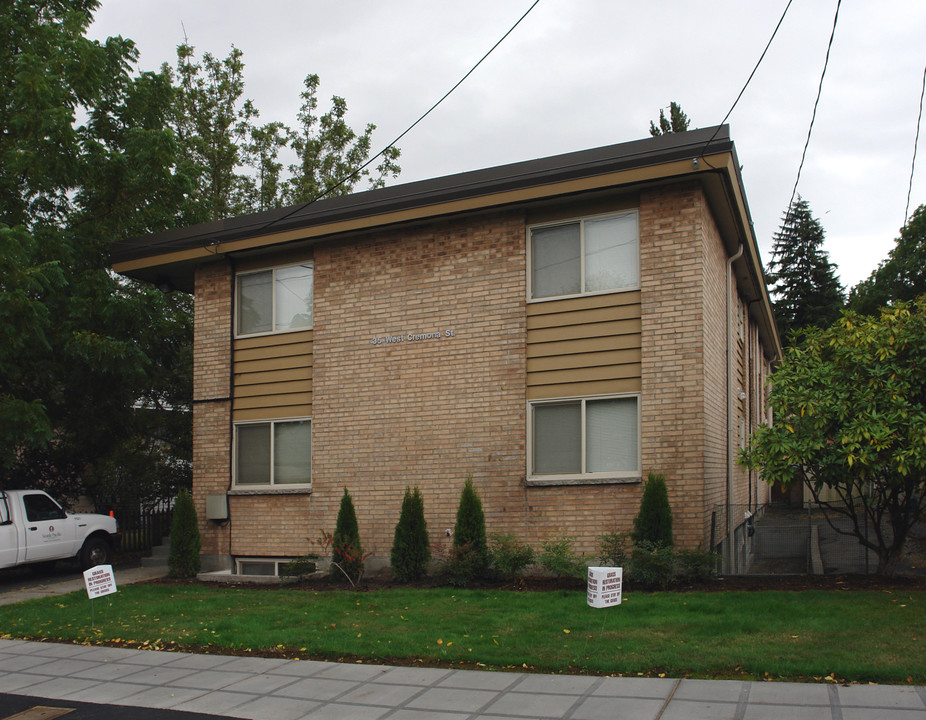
pixel 584 360
pixel 288 375
pixel 247 343
pixel 580 375
pixel 273 401
pixel 303 350
pixel 599 387
pixel 584 317
pixel 585 345
pixel 268 389
pixel 269 365
pixel 587 302
pixel 272 413
pixel 592 330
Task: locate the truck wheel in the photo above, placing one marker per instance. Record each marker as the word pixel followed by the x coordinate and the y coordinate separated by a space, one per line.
pixel 96 551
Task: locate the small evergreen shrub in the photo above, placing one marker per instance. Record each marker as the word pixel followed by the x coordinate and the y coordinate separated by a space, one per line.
pixel 183 560
pixel 470 529
pixel 460 566
pixel 509 556
pixel 653 522
pixel 411 549
pixel 561 560
pixel 652 565
pixel 300 567
pixel 613 549
pixel 346 550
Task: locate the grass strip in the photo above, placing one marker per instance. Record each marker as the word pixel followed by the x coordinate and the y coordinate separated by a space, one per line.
pixel 858 636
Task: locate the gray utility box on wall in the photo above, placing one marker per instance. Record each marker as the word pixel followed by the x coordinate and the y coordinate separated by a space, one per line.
pixel 217 507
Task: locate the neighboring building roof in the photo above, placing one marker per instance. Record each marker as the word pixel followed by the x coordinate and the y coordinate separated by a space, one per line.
pixel 707 156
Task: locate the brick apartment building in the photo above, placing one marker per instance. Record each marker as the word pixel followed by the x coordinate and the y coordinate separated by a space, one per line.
pixel 555 328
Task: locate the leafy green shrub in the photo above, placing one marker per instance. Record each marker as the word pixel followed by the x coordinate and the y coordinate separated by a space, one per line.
pixel 470 529
pixel 411 549
pixel 559 558
pixel 346 550
pixel 653 522
pixel 613 550
pixel 652 565
pixel 183 560
pixel 695 565
pixel 509 555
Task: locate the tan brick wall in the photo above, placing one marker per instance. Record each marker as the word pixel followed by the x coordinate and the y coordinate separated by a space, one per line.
pixel 673 312
pixel 211 390
pixel 423 412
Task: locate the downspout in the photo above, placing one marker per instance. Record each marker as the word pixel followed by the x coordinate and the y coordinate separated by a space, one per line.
pixel 730 554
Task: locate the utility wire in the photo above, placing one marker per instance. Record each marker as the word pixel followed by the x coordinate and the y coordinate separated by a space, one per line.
pixel 749 79
pixel 814 115
pixel 919 118
pixel 356 173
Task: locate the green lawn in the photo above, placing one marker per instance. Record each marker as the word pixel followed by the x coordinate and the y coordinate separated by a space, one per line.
pixel 856 636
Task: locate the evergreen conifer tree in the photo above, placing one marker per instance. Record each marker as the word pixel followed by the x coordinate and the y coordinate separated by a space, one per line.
pixel 346 550
pixel 183 560
pixel 653 522
pixel 469 534
pixel 411 549
pixel 803 284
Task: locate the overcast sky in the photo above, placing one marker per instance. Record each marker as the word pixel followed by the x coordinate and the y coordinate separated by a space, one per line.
pixel 579 74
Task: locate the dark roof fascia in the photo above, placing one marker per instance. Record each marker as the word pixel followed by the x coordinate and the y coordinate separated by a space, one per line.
pixel 532 173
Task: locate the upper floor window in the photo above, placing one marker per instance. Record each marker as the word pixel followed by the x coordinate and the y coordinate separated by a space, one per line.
pixel 276 300
pixel 597 254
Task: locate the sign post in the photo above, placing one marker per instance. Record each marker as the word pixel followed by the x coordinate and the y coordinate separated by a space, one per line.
pixel 99 581
pixel 604 586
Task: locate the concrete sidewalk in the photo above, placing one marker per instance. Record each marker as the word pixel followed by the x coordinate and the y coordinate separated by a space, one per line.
pixel 265 689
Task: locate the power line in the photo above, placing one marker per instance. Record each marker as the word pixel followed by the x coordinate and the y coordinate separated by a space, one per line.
pixel 814 115
pixel 363 167
pixel 919 117
pixel 749 79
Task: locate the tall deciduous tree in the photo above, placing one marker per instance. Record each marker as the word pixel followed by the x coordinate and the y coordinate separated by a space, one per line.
pixel 676 122
pixel 850 418
pixel 902 276
pixel 803 284
pixel 75 361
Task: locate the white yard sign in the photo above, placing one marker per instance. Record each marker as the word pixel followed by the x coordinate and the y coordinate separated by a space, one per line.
pixel 604 586
pixel 100 581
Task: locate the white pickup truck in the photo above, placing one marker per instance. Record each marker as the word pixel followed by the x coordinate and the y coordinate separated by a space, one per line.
pixel 35 529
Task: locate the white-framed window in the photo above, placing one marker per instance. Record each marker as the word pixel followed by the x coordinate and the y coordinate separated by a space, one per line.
pixel 268 567
pixel 585 256
pixel 276 453
pixel 274 300
pixel 584 438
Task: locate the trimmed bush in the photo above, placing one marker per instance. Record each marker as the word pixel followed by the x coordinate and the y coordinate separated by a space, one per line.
pixel 509 555
pixel 559 558
pixel 346 550
pixel 613 549
pixel 695 565
pixel 653 522
pixel 470 529
pixel 183 560
pixel 652 565
pixel 411 549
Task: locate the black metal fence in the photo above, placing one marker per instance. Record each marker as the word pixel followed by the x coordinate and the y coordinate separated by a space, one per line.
pixel 143 527
pixel 786 540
